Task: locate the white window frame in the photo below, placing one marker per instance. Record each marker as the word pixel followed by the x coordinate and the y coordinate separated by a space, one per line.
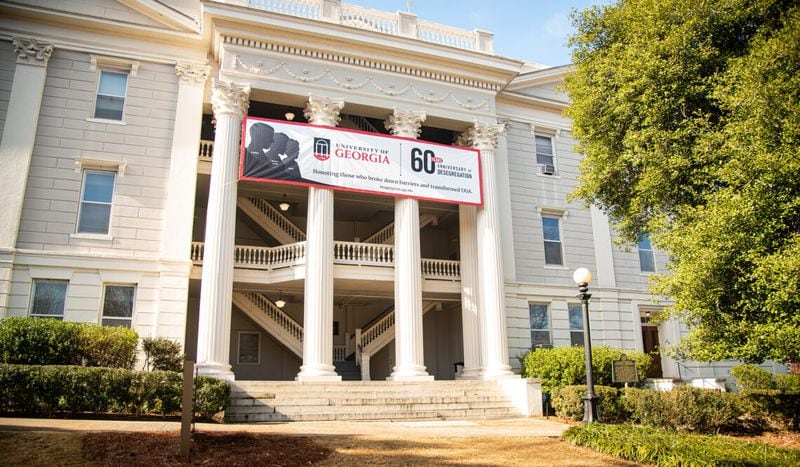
pixel 541 167
pixel 239 348
pixel 652 253
pixel 572 330
pixel 549 328
pixel 560 219
pixel 101 63
pixel 78 232
pixel 33 298
pixel 103 303
pixel 97 94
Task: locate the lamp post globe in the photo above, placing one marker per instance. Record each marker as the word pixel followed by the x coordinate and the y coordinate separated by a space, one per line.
pixel 582 277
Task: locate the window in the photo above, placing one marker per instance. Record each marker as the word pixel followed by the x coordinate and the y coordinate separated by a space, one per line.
pixel 647 260
pixel 544 155
pixel 249 348
pixel 552 240
pixel 97 192
pixel 110 100
pixel 575 324
pixel 49 297
pixel 540 325
pixel 118 305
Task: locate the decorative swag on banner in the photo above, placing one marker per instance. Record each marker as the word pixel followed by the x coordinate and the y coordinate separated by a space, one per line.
pixel 301 154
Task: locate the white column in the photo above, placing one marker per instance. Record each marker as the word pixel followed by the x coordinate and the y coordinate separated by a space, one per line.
pixel 409 351
pixel 603 252
pixel 318 301
pixel 490 268
pixel 229 102
pixel 16 148
pixel 177 235
pixel 470 299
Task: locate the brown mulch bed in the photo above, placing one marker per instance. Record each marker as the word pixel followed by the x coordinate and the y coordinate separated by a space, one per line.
pixel 133 448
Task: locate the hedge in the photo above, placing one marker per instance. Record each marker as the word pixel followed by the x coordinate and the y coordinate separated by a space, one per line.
pixel 50 389
pixel 565 366
pixel 162 354
pixel 774 397
pixel 688 409
pixel 568 403
pixel 665 448
pixel 42 341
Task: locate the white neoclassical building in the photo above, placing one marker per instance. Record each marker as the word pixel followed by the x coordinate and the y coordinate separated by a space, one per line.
pixel 122 202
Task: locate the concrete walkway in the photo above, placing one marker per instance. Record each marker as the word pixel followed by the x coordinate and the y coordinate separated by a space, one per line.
pixel 523 427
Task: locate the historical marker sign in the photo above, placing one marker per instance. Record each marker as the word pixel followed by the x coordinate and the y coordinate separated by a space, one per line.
pixel 623 370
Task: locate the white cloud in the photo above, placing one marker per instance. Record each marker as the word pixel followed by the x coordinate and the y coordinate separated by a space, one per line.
pixel 558 25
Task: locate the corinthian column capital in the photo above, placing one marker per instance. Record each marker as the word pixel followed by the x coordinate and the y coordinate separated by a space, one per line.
pixel 484 136
pixel 406 123
pixel 323 111
pixel 229 98
pixel 192 73
pixel 31 51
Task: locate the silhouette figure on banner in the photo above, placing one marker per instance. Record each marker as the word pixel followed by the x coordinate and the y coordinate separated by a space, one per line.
pixel 271 155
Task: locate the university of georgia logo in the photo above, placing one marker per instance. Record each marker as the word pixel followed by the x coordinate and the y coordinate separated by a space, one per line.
pixel 322 149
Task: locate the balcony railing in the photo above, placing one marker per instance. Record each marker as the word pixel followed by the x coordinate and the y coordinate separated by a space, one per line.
pixel 396 24
pixel 352 253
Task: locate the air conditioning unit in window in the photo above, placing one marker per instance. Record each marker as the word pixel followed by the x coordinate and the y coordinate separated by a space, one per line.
pixel 547 169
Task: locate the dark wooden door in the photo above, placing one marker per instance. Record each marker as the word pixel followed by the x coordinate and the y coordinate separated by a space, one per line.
pixel 650 341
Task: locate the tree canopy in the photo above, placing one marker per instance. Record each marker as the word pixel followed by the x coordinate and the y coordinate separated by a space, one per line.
pixel 688 113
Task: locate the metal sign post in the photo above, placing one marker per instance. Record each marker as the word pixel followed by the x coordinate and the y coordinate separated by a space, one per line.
pixel 187 408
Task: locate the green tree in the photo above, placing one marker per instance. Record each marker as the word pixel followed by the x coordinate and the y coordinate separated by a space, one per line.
pixel 688 112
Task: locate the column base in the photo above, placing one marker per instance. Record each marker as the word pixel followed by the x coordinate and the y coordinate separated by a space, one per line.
pixel 470 373
pixel 317 373
pixel 215 370
pixel 411 373
pixel 499 372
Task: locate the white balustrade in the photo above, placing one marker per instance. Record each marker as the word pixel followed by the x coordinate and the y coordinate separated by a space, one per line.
pixel 441 269
pixel 206 150
pixel 339 353
pixel 373 332
pixel 302 8
pixel 277 315
pixel 382 236
pixel 376 20
pixel 367 254
pixel 197 252
pixel 276 216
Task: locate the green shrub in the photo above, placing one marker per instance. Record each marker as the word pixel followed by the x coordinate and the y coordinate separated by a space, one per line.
pixel 46 390
pixel 685 409
pixel 751 377
pixel 659 447
pixel 112 347
pixel 565 366
pixel 781 411
pixel 568 403
pixel 788 384
pixel 40 341
pixel 162 354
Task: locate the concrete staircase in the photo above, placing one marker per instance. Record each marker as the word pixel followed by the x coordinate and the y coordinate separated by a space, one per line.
pixel 281 401
pixel 348 369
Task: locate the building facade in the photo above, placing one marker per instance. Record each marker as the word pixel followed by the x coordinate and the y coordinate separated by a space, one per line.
pixel 122 205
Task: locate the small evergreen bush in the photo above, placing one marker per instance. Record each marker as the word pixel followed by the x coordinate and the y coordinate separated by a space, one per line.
pixel 775 398
pixel 686 409
pixel 649 445
pixel 50 389
pixel 751 377
pixel 42 341
pixel 162 354
pixel 568 403
pixel 565 366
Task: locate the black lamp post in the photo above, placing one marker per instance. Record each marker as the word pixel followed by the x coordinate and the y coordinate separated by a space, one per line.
pixel 582 276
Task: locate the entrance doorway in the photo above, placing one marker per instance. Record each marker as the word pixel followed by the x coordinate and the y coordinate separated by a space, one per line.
pixel 650 344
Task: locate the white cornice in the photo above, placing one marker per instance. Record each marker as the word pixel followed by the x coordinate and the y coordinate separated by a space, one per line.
pixel 515 97
pixel 165 15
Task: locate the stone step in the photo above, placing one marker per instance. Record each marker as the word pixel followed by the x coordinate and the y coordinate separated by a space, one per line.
pixel 459 414
pixel 388 408
pixel 346 399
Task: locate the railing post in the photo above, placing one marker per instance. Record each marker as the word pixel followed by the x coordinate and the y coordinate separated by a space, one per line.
pixel 484 41
pixel 331 11
pixel 365 366
pixel 358 346
pixel 408 24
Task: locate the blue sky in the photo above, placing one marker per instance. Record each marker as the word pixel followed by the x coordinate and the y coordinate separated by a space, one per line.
pixel 532 30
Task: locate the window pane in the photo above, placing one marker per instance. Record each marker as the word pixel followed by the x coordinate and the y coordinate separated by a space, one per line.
pixel 550 228
pixel 647 261
pixel 644 243
pixel 544 160
pixel 118 301
pixel 540 338
pixel 94 218
pixel 248 347
pixel 539 317
pixel 543 145
pixel 576 338
pixel 112 83
pixel 98 187
pixel 119 322
pixel 552 253
pixel 49 298
pixel 575 317
pixel 109 107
